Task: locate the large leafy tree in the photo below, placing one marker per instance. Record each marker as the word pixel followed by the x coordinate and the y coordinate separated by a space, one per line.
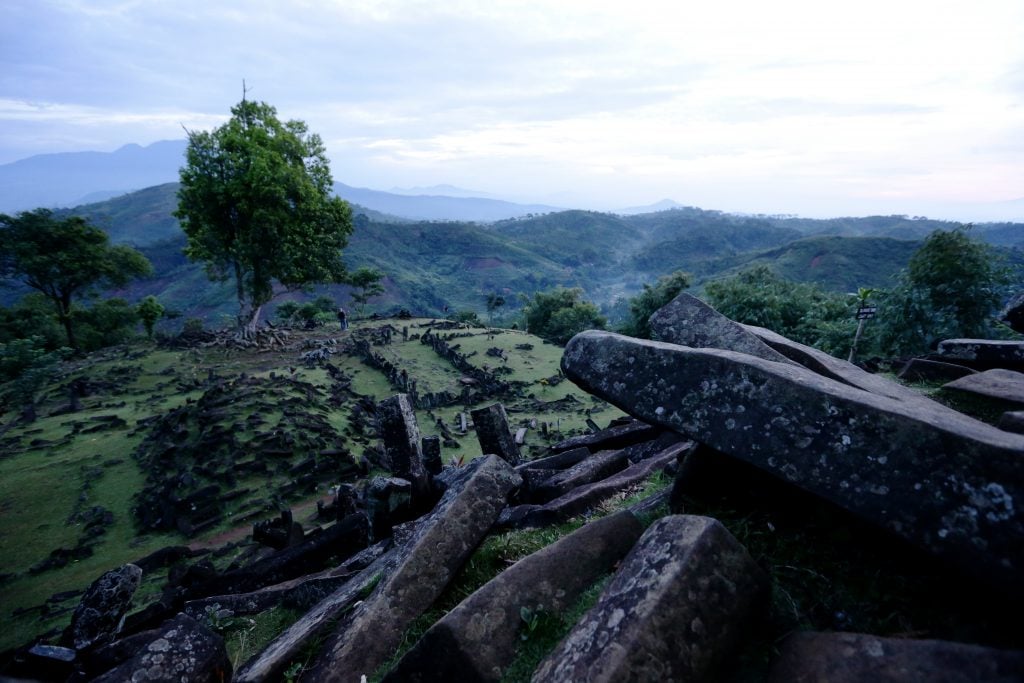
pixel 559 314
pixel 256 205
pixel 952 287
pixel 64 259
pixel 653 297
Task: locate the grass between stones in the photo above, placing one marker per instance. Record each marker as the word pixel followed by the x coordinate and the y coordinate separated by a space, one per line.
pixel 66 463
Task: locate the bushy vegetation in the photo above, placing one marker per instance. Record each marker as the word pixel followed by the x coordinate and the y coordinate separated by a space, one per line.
pixel 559 314
pixel 653 297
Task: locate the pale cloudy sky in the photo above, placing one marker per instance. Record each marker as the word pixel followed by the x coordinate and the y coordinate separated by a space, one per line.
pixel 789 106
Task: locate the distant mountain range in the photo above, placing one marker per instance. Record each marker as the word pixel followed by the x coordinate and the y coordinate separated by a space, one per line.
pixel 430 265
pixel 78 178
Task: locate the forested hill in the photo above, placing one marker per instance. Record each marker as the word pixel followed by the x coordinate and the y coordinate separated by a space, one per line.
pixel 430 265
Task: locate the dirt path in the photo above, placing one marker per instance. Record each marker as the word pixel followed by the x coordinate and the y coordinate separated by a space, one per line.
pixel 300 512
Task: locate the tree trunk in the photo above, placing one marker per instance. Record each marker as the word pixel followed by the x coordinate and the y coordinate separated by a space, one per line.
pixel 64 314
pixel 248 322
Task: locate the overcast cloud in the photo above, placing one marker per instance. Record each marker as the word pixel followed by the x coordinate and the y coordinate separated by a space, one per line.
pixel 814 108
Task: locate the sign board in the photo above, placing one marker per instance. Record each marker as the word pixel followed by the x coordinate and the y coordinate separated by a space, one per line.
pixel 866 312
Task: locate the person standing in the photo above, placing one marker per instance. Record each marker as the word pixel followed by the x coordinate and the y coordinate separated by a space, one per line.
pixel 343 319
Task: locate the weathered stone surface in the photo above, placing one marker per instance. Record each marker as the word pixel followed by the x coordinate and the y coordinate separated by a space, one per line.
pixel 401 435
pixel 1005 385
pixel 388 502
pixel 838 369
pixel 492 431
pixel 556 462
pixel 1013 314
pixel 1012 421
pixel 672 611
pixel 436 551
pixel 984 354
pixel 432 454
pixel 858 658
pixel 946 482
pixel 918 369
pixel 688 321
pixel 609 439
pixel 598 466
pixel 184 651
pixel 476 641
pixel 99 615
pixel 267 664
pixel 585 497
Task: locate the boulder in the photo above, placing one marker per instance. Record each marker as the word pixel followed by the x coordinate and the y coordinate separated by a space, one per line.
pixel 1004 385
pixel 100 614
pixel 477 640
pixel 858 658
pixel 946 482
pixel 439 546
pixel 672 612
pixel 922 369
pixel 184 651
pixel 983 354
pixel 688 321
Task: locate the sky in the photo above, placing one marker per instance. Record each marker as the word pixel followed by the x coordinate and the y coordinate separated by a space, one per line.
pixel 812 108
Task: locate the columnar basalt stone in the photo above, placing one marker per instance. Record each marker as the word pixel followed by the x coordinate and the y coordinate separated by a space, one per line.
pixel 918 369
pixel 99 615
pixel 1013 314
pixel 440 545
pixel 983 354
pixel 402 447
pixel 1012 421
pixel 858 658
pixel 672 611
pixel 688 321
pixel 617 436
pixel 946 482
pixel 432 454
pixel 1004 385
pixel 493 433
pixel 598 466
pixel 184 651
pixel 477 640
pixel 388 501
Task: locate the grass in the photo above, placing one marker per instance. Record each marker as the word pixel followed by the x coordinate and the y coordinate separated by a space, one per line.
pixel 46 470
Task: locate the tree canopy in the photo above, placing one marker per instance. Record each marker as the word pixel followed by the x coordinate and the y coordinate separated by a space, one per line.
pixel 650 299
pixel 64 259
pixel 256 205
pixel 366 283
pixel 559 314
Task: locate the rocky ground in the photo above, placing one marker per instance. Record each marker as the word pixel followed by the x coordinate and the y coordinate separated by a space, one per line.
pixel 774 513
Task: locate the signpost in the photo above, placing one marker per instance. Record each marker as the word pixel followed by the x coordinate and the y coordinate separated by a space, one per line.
pixel 864 313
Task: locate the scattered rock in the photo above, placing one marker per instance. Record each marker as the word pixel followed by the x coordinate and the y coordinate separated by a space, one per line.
pixel 923 370
pixel 99 616
pixel 493 433
pixel 184 651
pixel 1004 385
pixel 440 545
pixel 1013 314
pixel 614 437
pixel 1012 421
pixel 858 658
pixel 673 610
pixel 402 447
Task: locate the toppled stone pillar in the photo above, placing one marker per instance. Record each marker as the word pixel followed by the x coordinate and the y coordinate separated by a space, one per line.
pixel 948 483
pixel 672 611
pixel 441 543
pixel 493 433
pixel 401 435
pixel 477 640
pixel 861 658
pixel 100 614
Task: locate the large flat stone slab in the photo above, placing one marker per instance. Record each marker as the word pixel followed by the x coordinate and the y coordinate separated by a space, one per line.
pixel 184 651
pixel 672 612
pixel 1005 385
pixel 477 640
pixel 950 484
pixel 437 549
pixel 859 658
pixel 983 354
